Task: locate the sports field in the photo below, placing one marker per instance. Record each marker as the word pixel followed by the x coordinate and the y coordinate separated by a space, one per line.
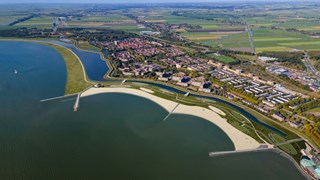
pixel 224 59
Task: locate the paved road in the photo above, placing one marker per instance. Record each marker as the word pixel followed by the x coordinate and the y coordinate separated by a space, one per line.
pixel 309 66
pixel 250 37
pixel 289 141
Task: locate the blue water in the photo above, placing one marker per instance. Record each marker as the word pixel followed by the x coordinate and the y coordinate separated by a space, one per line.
pixel 95 67
pixel 36 76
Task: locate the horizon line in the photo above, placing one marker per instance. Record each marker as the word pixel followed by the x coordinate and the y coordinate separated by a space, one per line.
pixel 171 2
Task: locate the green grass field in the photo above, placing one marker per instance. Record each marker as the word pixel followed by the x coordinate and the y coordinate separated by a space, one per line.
pixel 87 46
pixel 311 25
pixel 279 139
pixel 315 111
pixel 131 28
pixel 87 21
pixel 224 59
pixel 279 40
pixel 200 36
pixel 5 20
pixel 37 21
pixel 232 41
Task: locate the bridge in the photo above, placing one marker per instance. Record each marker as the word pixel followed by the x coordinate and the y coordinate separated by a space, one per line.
pixel 77 102
pixel 59 97
pixel 262 147
pixel 123 82
pixel 175 107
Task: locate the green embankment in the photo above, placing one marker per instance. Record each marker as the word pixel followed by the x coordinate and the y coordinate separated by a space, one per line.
pixel 88 47
pixel 76 81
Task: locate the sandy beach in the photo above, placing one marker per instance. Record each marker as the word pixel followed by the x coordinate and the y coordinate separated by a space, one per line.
pixel 240 140
pixel 214 109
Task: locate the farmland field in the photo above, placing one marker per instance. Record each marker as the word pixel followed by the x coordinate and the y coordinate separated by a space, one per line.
pixel 110 20
pixel 232 41
pixel 200 35
pixel 279 40
pixel 37 21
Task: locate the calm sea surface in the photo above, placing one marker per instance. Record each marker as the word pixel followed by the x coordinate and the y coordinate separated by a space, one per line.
pixel 112 136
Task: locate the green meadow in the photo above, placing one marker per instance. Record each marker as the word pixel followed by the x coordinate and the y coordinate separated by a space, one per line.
pixel 280 40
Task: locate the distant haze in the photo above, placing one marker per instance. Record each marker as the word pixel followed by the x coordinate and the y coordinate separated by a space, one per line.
pixel 141 1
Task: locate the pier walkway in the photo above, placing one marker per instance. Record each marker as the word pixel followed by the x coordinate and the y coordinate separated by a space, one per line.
pixel 59 97
pixel 123 82
pixel 175 107
pixel 77 103
pixel 221 153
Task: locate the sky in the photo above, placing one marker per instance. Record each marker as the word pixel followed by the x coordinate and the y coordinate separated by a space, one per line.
pixel 130 1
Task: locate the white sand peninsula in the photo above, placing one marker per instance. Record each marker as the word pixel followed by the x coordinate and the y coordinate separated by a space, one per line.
pixel 240 140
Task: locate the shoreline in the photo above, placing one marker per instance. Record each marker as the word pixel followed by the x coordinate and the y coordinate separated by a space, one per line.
pixel 253 112
pixel 240 140
pixel 84 73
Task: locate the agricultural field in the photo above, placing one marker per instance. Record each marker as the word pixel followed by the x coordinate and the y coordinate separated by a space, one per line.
pixel 208 29
pixel 39 22
pixel 199 36
pixel 106 20
pixel 130 28
pixel 301 24
pixel 234 41
pixel 113 21
pixel 266 39
pixel 5 20
pixel 171 19
pixel 260 19
pixel 9 15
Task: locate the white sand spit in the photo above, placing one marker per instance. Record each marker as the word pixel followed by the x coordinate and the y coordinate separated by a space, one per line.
pixel 146 90
pixel 214 109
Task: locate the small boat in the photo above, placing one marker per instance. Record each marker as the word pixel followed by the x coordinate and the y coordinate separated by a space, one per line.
pixel 15 71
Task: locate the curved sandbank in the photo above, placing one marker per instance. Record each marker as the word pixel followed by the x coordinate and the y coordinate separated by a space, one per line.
pixel 240 140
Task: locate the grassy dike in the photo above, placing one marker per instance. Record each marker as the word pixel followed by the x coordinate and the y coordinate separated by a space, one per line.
pixel 76 77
